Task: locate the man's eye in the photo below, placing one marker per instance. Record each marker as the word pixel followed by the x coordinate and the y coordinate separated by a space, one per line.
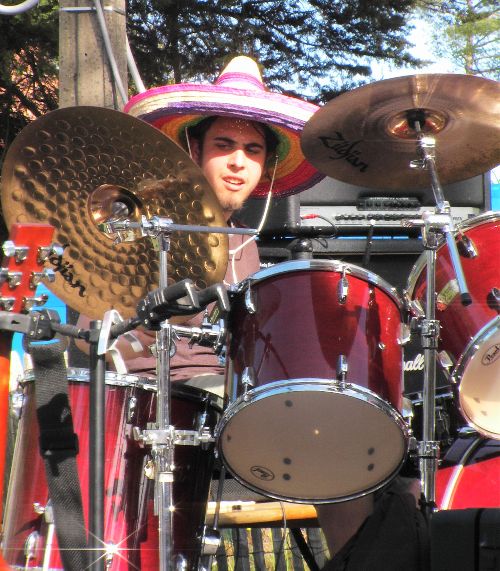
pixel 255 150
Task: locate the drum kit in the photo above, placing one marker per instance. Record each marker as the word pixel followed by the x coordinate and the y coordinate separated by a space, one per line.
pixel 313 407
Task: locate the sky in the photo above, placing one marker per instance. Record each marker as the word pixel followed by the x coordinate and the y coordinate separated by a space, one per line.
pixel 422 39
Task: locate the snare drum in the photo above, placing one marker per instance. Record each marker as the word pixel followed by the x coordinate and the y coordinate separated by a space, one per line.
pixel 131 529
pixel 314 383
pixel 469 335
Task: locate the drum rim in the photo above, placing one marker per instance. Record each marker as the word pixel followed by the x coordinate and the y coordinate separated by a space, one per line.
pixel 459 369
pixel 318 265
pixel 420 264
pixel 318 385
pixel 81 375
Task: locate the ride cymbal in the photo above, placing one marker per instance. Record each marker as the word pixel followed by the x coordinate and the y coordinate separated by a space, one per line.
pixel 79 166
pixel 366 136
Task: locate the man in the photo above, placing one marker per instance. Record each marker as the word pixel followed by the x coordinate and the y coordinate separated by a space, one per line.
pixel 240 157
pixel 246 140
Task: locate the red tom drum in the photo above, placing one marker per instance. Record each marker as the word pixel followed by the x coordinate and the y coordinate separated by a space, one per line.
pixel 469 348
pixel 314 382
pixel 131 529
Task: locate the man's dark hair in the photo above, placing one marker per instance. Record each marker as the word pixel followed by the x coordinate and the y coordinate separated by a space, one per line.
pixel 199 131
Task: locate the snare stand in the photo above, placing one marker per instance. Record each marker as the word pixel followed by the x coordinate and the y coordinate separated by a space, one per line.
pixel 433 225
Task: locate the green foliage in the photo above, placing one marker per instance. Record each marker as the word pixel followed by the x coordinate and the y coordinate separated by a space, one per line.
pixel 313 47
pixel 468 33
pixel 28 67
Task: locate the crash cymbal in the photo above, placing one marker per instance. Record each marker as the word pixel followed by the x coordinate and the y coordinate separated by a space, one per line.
pixel 78 166
pixel 366 136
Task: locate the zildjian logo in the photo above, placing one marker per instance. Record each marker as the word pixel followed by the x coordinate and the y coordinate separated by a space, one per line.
pixel 67 271
pixel 344 149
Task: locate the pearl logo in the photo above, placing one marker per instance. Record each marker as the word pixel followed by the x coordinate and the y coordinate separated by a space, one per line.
pixel 491 354
pixel 262 473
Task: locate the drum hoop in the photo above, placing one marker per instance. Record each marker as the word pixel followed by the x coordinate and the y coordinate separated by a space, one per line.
pixel 320 265
pixel 310 385
pixel 420 264
pixel 454 479
pixel 111 378
pixel 458 371
pixel 81 375
pixel 482 335
pixel 323 385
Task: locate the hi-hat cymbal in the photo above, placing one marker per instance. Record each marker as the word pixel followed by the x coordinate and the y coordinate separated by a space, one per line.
pixel 78 166
pixel 366 136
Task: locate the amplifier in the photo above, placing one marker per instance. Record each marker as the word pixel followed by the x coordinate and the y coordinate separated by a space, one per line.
pixel 387 213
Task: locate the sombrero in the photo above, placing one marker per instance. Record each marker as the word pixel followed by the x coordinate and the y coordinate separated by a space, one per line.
pixel 238 92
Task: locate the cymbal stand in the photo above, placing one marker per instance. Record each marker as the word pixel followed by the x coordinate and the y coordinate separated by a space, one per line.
pixel 433 225
pixel 164 437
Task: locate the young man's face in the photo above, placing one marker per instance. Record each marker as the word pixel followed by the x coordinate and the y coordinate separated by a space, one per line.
pixel 232 159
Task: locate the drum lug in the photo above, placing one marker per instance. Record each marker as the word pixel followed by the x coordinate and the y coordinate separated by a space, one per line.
pixel 31 545
pixel 342 368
pixel 149 470
pixel 343 288
pixel 250 303
pixel 493 299
pixel 46 511
pixel 131 409
pixel 404 334
pixel 466 247
pixel 16 398
pixel 180 563
pixel 247 380
pixel 446 362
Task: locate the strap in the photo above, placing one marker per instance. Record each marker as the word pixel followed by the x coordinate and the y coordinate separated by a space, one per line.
pixel 304 549
pixel 59 448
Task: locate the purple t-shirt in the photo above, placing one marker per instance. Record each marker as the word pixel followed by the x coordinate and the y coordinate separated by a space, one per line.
pixel 196 360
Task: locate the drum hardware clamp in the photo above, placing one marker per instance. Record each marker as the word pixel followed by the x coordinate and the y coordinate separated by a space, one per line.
pixel 172 437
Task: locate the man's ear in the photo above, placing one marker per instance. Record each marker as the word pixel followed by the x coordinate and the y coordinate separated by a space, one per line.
pixel 194 145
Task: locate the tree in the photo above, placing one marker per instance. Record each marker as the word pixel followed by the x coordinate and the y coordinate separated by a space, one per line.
pixel 28 70
pixel 468 33
pixel 314 48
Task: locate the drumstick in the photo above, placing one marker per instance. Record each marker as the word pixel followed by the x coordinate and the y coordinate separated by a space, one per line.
pixel 247 513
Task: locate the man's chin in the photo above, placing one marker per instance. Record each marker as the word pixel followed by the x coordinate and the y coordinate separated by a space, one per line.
pixel 230 206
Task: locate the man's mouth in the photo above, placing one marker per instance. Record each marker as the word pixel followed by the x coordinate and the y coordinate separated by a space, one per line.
pixel 233 182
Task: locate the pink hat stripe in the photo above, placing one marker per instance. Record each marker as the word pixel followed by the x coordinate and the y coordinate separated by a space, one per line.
pixel 239 92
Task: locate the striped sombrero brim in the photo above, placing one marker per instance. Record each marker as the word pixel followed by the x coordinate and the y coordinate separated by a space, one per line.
pixel 174 108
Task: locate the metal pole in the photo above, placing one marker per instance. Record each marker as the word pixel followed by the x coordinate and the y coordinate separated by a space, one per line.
pixel 97 428
pixel 429 448
pixel 163 454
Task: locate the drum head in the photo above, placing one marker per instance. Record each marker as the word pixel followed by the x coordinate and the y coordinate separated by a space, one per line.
pixel 311 442
pixel 479 378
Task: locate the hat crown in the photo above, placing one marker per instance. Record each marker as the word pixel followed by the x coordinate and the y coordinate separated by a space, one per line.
pixel 241 72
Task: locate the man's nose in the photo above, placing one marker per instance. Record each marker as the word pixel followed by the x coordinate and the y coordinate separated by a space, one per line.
pixel 237 158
